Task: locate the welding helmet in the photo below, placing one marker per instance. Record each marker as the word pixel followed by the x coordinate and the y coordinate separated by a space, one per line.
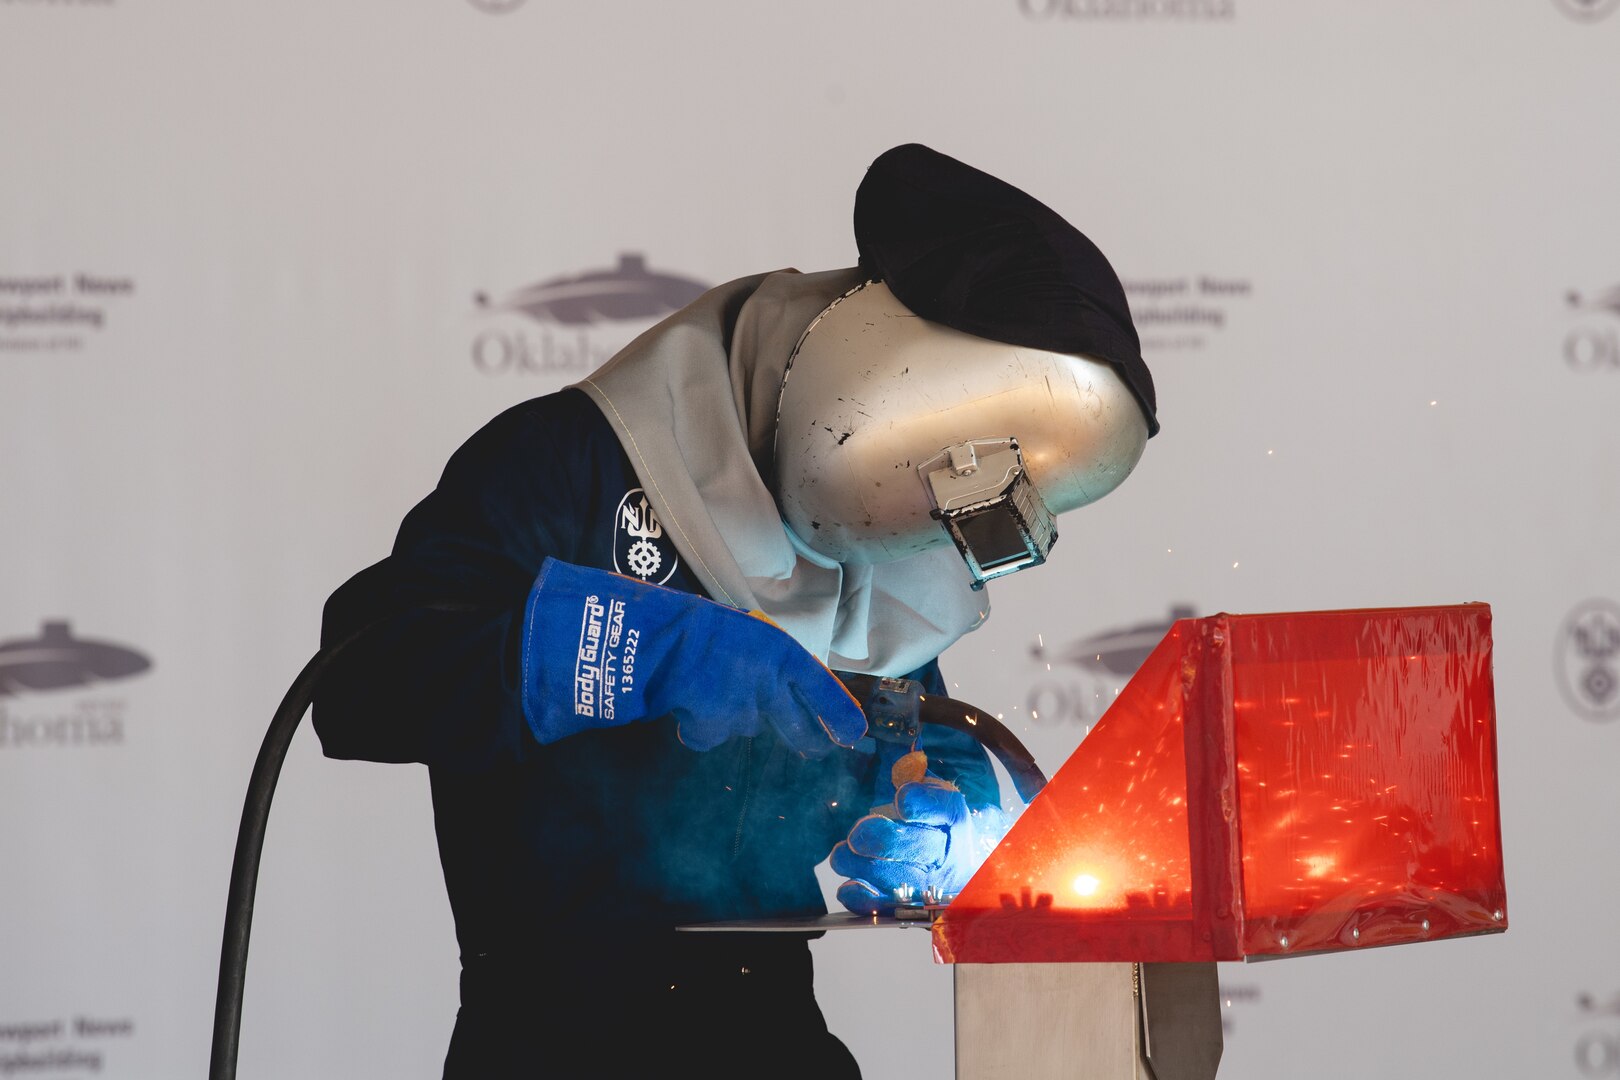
pixel 986 378
pixel 896 434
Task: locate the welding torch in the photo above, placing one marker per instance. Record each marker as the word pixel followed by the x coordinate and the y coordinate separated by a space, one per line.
pixel 896 709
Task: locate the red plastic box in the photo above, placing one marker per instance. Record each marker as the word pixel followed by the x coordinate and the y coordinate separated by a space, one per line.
pixel 1266 785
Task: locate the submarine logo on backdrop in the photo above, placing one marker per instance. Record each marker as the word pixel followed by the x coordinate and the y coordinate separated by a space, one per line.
pixel 571 325
pixel 1587 10
pixel 1593 341
pixel 1082 678
pixel 55 661
pixel 1587 659
pixel 641 547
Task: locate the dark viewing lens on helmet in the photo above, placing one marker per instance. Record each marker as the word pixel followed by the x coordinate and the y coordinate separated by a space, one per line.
pixel 994 537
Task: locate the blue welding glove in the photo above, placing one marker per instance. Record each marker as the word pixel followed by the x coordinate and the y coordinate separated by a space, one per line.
pixel 926 841
pixel 602 650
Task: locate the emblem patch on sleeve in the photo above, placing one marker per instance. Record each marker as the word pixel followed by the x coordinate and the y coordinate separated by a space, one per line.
pixel 641 547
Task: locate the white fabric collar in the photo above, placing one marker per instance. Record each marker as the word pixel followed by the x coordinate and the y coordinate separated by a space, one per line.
pixel 702 465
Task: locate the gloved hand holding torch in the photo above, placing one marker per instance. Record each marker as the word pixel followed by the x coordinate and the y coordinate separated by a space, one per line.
pixel 927 840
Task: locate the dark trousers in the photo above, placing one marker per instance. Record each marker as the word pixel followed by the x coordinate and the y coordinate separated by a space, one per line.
pixel 703 1005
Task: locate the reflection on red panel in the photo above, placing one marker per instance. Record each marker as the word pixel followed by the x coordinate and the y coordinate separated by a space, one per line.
pixel 1265 785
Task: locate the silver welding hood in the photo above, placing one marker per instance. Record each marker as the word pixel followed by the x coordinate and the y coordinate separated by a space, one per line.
pixel 895 435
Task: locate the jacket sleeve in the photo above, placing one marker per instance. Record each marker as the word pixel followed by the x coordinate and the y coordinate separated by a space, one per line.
pixel 430 670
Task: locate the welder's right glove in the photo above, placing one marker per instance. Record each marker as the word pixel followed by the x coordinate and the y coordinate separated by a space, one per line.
pixel 601 650
pixel 927 841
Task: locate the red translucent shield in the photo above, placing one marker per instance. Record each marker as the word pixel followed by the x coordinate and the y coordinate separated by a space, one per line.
pixel 1266 785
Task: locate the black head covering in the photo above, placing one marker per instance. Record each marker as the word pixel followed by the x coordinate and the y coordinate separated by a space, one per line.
pixel 961 248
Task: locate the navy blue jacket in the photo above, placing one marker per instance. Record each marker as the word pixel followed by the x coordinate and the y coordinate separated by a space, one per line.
pixel 607 839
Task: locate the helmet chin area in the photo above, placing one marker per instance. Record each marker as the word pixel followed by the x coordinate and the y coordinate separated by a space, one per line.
pixel 983 497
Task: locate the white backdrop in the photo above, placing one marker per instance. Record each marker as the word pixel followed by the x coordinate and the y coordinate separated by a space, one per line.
pixel 1373 248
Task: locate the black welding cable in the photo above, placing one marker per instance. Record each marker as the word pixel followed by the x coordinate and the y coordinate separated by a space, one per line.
pixel 1026 775
pixel 250 843
pixel 245 867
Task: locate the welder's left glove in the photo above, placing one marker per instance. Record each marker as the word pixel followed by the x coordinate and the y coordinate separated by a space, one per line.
pixel 602 650
pixel 928 839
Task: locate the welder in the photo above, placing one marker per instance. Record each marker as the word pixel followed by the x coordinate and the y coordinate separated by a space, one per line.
pixel 632 720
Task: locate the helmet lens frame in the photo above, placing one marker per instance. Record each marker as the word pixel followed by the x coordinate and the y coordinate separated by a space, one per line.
pixel 992 511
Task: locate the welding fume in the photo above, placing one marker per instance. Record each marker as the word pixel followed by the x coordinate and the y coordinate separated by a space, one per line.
pixel 651 587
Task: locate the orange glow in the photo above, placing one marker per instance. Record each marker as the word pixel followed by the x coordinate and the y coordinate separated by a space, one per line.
pixel 1201 819
pixel 1318 865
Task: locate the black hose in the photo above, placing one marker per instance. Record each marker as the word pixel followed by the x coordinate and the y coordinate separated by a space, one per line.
pixel 249 846
pixel 250 838
pixel 996 737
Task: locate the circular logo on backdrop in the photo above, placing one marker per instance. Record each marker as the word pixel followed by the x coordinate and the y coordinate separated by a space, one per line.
pixel 1587 10
pixel 1587 659
pixel 641 548
pixel 1593 342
